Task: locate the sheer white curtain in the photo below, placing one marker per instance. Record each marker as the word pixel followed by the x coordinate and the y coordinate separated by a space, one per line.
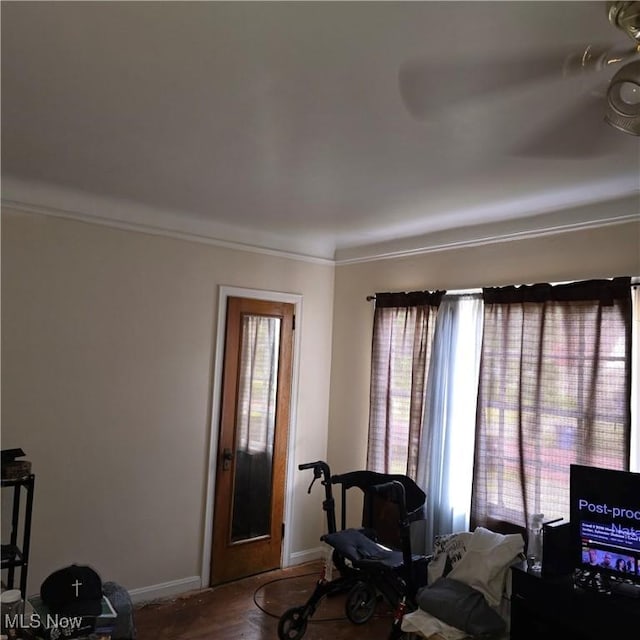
pixel 445 467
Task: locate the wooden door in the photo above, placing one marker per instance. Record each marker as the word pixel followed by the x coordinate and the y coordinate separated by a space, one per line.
pixel 252 450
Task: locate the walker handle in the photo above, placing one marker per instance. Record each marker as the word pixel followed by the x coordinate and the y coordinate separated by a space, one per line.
pixel 319 467
pixel 309 465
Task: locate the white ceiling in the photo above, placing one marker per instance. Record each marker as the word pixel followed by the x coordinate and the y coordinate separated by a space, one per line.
pixel 282 125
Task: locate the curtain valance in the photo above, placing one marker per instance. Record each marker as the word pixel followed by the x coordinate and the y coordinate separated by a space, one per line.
pixel 409 299
pixel 605 291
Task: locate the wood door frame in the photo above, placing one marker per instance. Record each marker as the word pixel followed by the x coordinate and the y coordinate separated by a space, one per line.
pixel 226 292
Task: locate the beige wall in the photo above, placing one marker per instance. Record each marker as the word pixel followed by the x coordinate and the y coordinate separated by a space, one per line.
pixel 604 252
pixel 107 358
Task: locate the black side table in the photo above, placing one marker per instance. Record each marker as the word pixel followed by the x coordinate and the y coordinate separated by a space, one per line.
pixel 552 607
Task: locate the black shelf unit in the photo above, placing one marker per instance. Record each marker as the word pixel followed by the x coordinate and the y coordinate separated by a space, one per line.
pixel 554 607
pixel 15 556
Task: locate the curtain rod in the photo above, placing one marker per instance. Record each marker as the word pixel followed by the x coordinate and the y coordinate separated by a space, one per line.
pixel 635 282
pixel 452 294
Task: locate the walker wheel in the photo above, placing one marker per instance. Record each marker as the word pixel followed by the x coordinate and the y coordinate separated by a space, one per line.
pixel 292 624
pixel 361 602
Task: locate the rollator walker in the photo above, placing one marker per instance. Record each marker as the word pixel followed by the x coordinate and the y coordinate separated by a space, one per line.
pixel 374 561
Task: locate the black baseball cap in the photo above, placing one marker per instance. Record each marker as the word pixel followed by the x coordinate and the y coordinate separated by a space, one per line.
pixel 73 591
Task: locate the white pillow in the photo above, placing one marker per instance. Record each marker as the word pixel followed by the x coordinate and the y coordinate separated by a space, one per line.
pixel 451 547
pixel 487 559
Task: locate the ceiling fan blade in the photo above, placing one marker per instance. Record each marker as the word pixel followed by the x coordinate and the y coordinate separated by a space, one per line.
pixel 579 132
pixel 428 88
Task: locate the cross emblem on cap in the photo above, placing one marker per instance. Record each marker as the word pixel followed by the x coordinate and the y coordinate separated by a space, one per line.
pixel 76 585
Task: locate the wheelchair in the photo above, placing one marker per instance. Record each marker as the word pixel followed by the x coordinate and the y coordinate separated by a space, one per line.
pixel 374 561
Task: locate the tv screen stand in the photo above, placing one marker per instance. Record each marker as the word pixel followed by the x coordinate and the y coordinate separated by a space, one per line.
pixel 553 607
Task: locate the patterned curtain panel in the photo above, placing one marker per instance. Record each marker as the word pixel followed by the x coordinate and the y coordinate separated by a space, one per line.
pixel 555 380
pixel 403 329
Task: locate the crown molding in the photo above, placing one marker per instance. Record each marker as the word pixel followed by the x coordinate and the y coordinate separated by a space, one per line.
pixel 137 218
pixel 495 239
pixel 622 210
pixel 189 236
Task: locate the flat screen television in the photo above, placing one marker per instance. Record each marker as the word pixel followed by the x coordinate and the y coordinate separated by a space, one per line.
pixel 605 521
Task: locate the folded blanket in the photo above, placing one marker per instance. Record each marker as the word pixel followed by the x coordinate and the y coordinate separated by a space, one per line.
pixel 461 606
pixel 480 561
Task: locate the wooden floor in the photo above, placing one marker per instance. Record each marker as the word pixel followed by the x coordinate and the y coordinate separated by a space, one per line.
pixel 230 612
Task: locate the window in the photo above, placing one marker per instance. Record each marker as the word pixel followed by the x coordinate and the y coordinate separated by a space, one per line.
pixel 554 390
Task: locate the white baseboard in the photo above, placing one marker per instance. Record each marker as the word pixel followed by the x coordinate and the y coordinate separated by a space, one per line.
pixel 194 583
pixel 308 555
pixel 165 589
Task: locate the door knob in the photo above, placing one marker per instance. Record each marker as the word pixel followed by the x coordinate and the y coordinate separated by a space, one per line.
pixel 227 457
